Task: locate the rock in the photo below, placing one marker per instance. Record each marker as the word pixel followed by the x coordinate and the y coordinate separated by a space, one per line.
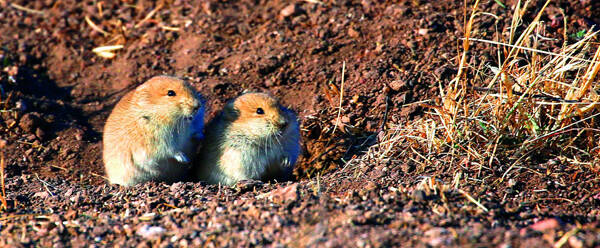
pixel 380 100
pixel 29 122
pixel 396 10
pixel 345 119
pixel 544 225
pixel 371 186
pixel 99 230
pixel 419 195
pixel 290 10
pixel 247 185
pixel 353 33
pixel 437 236
pixel 269 82
pixel 398 85
pixel 78 134
pixel 286 194
pixel 12 70
pixel 208 7
pixel 21 105
pixel 178 186
pixel 150 232
pixel 575 242
pixel 367 5
pixel 253 212
pixel 269 65
pixel 77 198
pixel 41 194
pixel 40 133
pixel 10 123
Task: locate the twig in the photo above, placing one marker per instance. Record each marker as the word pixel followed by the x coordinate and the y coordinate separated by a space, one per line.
pixel 148 16
pixel 468 26
pixel 531 49
pixel 315 1
pixel 566 237
pixel 554 199
pixel 473 200
pixel 94 174
pixel 31 144
pixel 337 120
pixel 515 164
pixel 99 6
pixel 94 27
pixel 107 48
pixel 385 114
pixel 45 184
pixel 58 167
pixel 559 130
pixel 169 28
pixel 544 97
pixel 417 102
pixel 16 216
pixel 28 10
pixel 107 51
pixel 3 196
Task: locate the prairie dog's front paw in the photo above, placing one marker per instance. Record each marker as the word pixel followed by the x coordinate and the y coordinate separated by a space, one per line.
pixel 181 158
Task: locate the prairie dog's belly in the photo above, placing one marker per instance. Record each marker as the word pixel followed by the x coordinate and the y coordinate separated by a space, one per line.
pixel 164 169
pixel 160 164
pixel 241 163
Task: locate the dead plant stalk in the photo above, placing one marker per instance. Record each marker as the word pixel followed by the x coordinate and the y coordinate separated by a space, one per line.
pixel 337 119
pixel 3 196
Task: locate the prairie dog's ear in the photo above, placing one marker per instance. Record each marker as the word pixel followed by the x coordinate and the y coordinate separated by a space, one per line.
pixel 140 94
pixel 141 87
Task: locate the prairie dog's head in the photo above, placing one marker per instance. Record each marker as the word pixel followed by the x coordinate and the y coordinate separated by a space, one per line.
pixel 258 115
pixel 167 98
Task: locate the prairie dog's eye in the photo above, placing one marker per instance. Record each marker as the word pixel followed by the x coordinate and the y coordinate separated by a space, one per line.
pixel 171 93
pixel 260 111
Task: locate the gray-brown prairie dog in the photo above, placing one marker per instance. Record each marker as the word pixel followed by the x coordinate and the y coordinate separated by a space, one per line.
pixel 149 134
pixel 253 137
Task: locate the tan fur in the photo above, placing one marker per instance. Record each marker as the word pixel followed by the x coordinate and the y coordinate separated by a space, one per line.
pixel 149 133
pixel 242 144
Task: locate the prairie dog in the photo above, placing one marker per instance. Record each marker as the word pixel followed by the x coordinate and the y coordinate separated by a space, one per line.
pixel 253 137
pixel 149 134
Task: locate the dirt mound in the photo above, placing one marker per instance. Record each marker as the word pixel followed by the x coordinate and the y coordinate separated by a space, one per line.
pixel 56 94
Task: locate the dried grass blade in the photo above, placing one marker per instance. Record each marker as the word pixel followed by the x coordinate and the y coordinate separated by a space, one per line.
pixel 94 26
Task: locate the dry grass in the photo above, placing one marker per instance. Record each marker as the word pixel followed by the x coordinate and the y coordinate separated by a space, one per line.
pixel 529 103
pixel 4 205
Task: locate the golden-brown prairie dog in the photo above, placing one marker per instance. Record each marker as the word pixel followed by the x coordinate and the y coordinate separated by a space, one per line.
pixel 149 134
pixel 254 137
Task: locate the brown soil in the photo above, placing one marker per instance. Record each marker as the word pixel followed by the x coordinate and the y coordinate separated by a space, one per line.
pixel 56 95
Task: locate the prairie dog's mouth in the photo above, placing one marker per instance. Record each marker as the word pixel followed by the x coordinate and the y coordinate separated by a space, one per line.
pixel 193 111
pixel 278 132
pixel 187 116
